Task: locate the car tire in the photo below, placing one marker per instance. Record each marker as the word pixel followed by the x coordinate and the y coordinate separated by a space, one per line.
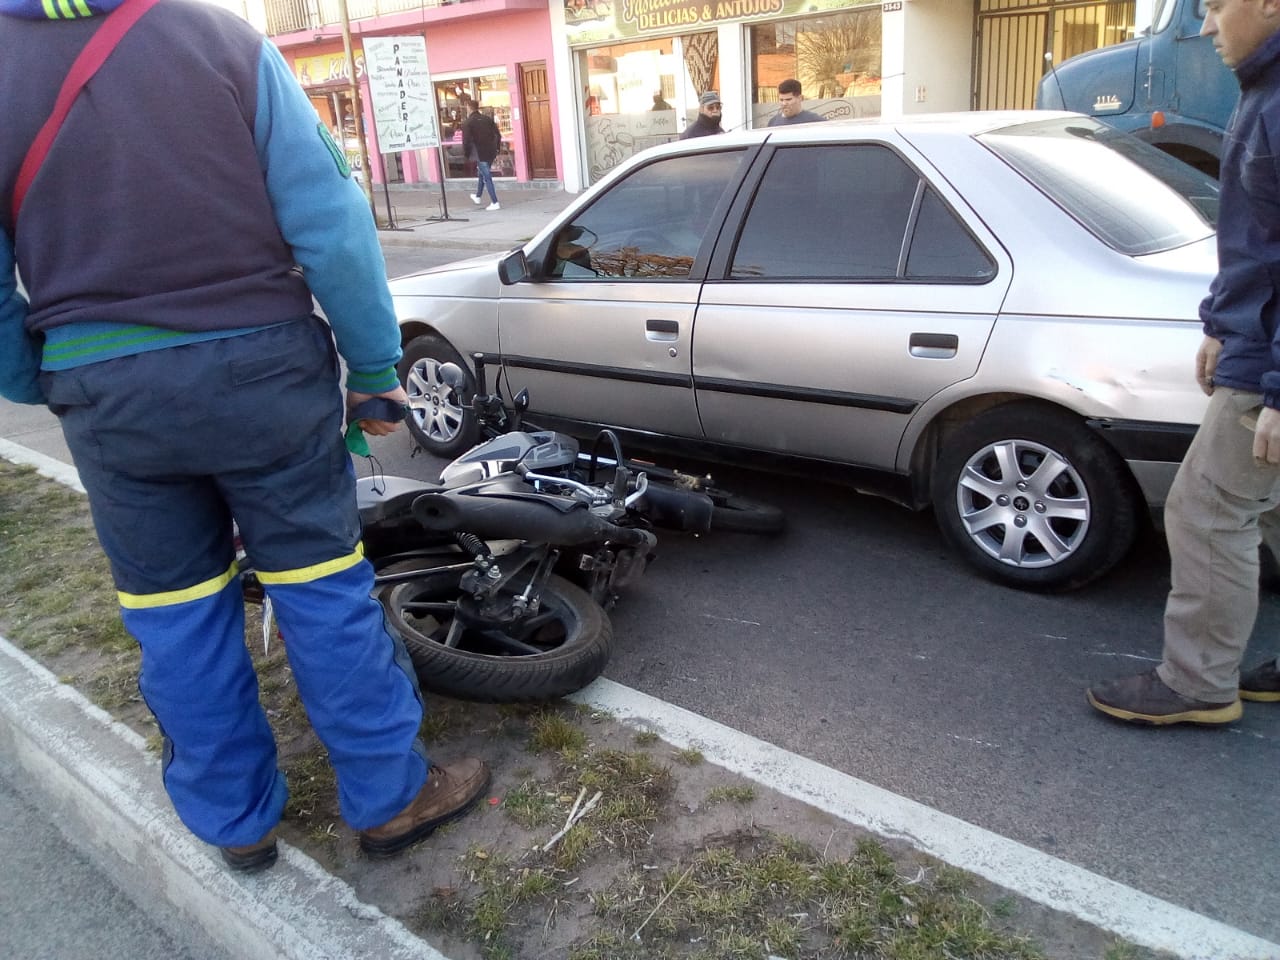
pixel 1024 527
pixel 440 421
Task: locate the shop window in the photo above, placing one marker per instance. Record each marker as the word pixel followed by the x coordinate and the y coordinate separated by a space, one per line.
pixel 651 225
pixel 835 58
pixel 453 100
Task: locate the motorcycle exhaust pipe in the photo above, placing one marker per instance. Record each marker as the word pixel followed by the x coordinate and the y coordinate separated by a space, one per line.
pixel 684 510
pixel 508 518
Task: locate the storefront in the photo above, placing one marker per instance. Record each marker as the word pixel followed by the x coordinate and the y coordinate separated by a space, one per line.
pixel 641 65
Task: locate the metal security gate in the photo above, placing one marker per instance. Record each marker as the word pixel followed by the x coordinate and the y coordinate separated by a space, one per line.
pixel 1014 35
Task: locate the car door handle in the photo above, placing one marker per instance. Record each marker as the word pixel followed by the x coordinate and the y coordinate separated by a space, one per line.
pixel 661 330
pixel 934 346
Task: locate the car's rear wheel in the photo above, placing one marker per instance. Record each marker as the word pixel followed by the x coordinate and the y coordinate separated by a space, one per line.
pixel 440 417
pixel 1028 495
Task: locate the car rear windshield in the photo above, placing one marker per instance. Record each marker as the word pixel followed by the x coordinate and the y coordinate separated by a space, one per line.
pixel 1130 195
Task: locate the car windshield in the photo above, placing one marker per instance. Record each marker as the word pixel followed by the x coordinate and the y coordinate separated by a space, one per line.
pixel 1130 195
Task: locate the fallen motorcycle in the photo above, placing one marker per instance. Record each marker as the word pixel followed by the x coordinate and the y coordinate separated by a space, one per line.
pixel 497 576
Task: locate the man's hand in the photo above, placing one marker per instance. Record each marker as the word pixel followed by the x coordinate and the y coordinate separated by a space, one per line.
pixel 1266 437
pixel 377 428
pixel 1207 363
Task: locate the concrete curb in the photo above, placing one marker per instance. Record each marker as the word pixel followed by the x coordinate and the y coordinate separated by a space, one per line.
pixel 104 791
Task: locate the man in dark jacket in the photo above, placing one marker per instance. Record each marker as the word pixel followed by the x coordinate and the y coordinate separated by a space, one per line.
pixel 708 120
pixel 1231 474
pixel 169 327
pixel 481 141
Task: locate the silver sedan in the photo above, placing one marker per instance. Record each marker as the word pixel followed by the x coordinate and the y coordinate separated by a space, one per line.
pixel 990 314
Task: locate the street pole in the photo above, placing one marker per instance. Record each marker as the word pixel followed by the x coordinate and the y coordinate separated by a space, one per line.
pixel 366 171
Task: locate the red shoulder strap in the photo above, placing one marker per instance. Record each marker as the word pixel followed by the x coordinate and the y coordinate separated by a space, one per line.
pixel 104 40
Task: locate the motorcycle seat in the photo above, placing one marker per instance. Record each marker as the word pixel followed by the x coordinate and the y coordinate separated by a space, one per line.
pixel 382 498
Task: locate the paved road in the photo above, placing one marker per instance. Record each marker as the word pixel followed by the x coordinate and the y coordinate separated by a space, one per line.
pixel 56 905
pixel 857 640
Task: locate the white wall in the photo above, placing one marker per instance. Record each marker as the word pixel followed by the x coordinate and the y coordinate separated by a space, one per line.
pixel 937 61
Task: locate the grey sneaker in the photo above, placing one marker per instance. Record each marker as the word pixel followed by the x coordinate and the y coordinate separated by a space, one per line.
pixel 1261 683
pixel 1144 698
pixel 448 794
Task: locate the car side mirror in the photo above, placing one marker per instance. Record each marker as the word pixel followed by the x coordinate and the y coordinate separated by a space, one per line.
pixel 512 268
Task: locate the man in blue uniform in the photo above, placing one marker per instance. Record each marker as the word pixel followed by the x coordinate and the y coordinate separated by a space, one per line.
pixel 1231 474
pixel 170 243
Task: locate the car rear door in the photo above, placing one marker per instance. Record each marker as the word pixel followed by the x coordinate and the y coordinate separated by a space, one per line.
pixel 856 286
pixel 603 333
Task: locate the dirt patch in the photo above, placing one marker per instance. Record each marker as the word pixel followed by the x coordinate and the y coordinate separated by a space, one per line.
pixel 672 858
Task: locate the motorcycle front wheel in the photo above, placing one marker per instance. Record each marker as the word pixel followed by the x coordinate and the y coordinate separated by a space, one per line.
pixel 553 652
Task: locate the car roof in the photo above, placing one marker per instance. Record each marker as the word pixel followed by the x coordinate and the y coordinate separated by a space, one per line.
pixel 968 123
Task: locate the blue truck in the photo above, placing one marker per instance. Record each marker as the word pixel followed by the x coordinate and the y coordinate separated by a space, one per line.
pixel 1167 86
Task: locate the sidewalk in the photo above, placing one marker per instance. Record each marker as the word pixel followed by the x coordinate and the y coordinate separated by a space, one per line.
pixel 526 209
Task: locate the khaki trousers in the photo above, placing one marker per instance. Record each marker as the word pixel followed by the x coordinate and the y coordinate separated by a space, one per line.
pixel 1212 520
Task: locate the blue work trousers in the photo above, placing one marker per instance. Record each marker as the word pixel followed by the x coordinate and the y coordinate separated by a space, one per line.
pixel 171 445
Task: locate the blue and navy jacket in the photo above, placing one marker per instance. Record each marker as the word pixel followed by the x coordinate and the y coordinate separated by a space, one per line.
pixel 1243 306
pixel 191 194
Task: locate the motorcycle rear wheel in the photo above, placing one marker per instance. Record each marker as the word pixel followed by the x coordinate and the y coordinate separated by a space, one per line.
pixel 561 649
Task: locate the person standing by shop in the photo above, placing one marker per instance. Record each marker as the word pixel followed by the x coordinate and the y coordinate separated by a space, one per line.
pixel 481 141
pixel 791 106
pixel 708 120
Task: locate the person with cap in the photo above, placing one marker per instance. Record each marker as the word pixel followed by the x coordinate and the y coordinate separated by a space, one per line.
pixel 170 328
pixel 708 120
pixel 791 106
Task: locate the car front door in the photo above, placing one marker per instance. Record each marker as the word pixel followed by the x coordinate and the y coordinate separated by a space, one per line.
pixel 602 331
pixel 852 293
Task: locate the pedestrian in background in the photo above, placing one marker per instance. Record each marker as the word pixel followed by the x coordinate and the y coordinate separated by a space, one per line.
pixel 481 141
pixel 660 102
pixel 167 325
pixel 708 119
pixel 1231 474
pixel 791 106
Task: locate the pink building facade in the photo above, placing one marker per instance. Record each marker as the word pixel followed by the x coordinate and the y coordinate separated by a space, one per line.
pixel 497 53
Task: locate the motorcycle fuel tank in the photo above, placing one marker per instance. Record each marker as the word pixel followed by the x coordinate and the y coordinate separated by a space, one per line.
pixel 541 452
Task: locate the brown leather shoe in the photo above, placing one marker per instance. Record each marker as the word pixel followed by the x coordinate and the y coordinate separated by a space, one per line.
pixel 448 793
pixel 1144 698
pixel 253 858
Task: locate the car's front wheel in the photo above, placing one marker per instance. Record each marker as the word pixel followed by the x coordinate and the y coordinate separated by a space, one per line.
pixel 440 416
pixel 1032 498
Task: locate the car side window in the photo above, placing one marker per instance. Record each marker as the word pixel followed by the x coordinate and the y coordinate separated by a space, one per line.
pixel 941 247
pixel 842 212
pixel 649 225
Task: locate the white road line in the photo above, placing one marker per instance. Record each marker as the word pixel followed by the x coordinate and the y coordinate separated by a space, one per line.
pixel 1129 913
pixel 1132 914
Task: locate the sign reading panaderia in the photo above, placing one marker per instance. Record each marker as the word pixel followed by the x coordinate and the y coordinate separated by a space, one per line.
pixel 404 112
pixel 587 21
